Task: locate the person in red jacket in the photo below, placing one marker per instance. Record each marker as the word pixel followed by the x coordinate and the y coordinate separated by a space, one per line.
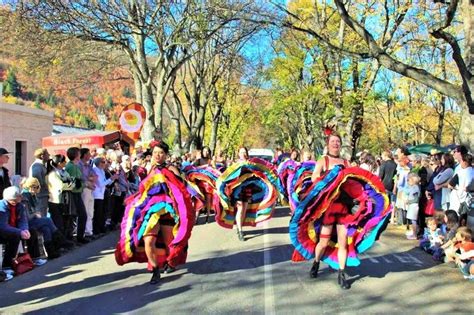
pixel 13 224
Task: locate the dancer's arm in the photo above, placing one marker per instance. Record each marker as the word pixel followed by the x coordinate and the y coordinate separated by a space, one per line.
pixel 317 170
pixel 174 170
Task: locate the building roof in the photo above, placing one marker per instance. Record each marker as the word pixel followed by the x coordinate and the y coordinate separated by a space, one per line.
pixel 58 128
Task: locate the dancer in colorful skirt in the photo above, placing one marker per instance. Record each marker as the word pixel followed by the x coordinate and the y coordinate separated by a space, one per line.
pixel 158 219
pixel 350 198
pixel 247 191
pixel 203 178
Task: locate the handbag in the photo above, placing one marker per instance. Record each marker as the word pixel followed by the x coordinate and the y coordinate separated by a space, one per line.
pixel 467 207
pixel 429 207
pixel 68 204
pixel 23 262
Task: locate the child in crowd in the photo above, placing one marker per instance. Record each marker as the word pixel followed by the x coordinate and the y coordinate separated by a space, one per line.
pixel 412 199
pixel 449 228
pixel 464 258
pixel 401 183
pixel 432 237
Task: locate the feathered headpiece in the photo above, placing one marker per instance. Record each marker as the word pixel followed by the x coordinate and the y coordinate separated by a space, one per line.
pixel 154 143
pixel 329 130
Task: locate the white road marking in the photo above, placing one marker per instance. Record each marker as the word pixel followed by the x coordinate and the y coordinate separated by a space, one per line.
pixel 372 259
pixel 267 270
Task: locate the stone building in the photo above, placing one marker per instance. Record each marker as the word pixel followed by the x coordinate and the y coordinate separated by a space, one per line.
pixel 21 131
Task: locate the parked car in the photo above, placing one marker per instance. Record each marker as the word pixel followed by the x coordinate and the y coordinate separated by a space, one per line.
pixel 265 154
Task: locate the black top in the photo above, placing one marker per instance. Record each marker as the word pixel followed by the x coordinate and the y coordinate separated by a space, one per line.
pixel 387 171
pixel 4 181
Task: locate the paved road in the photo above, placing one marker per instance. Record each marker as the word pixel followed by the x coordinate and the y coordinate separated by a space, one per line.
pixel 225 276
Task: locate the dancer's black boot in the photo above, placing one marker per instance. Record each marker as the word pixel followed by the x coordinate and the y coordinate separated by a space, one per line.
pixel 168 269
pixel 155 278
pixel 313 273
pixel 341 280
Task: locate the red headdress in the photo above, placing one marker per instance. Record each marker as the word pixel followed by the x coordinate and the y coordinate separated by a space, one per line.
pixel 329 130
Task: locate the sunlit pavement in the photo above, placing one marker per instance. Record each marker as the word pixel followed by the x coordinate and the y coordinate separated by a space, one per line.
pixel 224 275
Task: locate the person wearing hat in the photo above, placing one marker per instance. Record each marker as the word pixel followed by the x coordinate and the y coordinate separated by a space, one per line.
pixel 13 224
pixel 38 171
pixel 4 178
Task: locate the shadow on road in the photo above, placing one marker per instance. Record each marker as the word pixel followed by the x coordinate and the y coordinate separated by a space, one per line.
pixel 50 293
pixel 114 301
pixel 282 211
pixel 249 234
pixel 240 261
pixel 379 267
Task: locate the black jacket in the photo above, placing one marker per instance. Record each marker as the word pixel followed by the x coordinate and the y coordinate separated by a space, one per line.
pixel 387 171
pixel 4 181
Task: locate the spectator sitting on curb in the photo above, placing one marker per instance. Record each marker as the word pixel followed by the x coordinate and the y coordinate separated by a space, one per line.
pixel 465 258
pixel 13 225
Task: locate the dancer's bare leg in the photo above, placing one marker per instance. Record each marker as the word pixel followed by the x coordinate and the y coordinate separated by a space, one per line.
pixel 342 243
pixel 167 232
pixel 326 231
pixel 240 216
pixel 150 248
pixel 151 252
pixel 208 206
pixel 342 255
pixel 324 237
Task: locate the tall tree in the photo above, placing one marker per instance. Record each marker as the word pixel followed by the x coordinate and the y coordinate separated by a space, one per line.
pixel 196 86
pixel 157 37
pixel 393 30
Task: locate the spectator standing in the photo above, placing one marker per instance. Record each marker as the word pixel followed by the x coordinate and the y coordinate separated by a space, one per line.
pixel 422 172
pixel 101 182
pixel 401 183
pixel 459 194
pixel 59 181
pixel 73 169
pixel 88 178
pixel 387 172
pixel 13 224
pixel 4 178
pixel 412 203
pixel 431 192
pixel 120 189
pixel 368 162
pixel 441 180
pixel 458 152
pixel 38 170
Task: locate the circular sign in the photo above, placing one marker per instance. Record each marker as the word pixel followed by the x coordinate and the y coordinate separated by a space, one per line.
pixel 131 120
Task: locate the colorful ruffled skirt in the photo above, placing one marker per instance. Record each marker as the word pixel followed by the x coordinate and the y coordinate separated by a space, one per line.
pixel 163 198
pixel 331 194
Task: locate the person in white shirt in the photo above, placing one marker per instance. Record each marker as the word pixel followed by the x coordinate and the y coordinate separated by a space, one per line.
pixel 98 222
pixel 465 174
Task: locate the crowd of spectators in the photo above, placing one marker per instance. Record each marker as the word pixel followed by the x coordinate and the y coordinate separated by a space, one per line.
pixel 433 196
